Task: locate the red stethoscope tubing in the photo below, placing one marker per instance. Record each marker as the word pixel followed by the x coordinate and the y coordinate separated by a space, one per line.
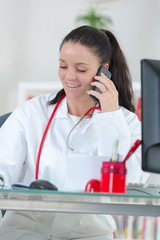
pixel 44 136
pixel 46 130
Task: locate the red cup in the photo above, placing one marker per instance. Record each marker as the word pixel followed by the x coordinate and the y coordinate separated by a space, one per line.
pixel 113 177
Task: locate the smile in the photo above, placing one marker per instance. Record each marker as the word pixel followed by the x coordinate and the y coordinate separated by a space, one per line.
pixel 73 85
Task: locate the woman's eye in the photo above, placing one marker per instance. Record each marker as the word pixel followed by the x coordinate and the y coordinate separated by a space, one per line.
pixel 79 70
pixel 62 67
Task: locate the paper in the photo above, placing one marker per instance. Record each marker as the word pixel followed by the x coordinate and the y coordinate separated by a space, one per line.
pixel 81 169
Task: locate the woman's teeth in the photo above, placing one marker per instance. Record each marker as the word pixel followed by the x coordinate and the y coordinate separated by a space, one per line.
pixel 73 85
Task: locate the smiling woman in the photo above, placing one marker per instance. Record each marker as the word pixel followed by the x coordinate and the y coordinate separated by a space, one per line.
pixel 50 118
pixel 82 52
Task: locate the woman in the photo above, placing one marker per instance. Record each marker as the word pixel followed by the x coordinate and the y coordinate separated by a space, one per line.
pixel 82 52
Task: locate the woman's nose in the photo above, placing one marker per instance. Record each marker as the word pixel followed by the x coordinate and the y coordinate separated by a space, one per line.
pixel 70 74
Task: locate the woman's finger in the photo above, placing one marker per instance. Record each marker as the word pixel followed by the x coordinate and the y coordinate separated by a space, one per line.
pixel 108 86
pixel 106 81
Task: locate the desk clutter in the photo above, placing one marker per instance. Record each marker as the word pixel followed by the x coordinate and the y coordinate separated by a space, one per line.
pixel 138 227
pixel 113 173
pixel 113 179
pixel 143 189
pixel 37 184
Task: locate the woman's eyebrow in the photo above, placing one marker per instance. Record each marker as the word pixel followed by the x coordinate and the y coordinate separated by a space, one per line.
pixel 81 63
pixel 78 63
pixel 61 60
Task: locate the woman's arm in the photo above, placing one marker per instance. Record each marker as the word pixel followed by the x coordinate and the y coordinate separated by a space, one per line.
pixel 12 147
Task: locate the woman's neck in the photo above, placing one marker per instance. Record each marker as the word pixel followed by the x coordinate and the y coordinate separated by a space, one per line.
pixel 79 108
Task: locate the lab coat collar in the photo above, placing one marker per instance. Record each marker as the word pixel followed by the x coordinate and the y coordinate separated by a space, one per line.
pixel 62 111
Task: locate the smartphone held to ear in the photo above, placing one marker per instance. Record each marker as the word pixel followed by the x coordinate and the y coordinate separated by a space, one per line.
pixel 107 73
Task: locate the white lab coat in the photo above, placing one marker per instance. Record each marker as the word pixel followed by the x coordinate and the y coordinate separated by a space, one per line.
pixel 20 139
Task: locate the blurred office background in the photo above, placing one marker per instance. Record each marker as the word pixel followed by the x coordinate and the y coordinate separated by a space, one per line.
pixel 32 30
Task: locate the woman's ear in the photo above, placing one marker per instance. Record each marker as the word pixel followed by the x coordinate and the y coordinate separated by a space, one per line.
pixel 106 65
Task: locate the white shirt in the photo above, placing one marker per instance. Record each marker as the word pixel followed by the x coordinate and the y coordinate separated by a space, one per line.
pixel 22 132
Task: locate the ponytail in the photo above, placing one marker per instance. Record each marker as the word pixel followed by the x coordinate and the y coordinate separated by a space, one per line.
pixel 120 74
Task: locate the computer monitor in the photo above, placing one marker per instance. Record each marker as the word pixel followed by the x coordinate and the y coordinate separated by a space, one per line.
pixel 150 107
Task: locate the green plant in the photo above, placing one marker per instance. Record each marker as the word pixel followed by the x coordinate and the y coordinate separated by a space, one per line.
pixel 94 19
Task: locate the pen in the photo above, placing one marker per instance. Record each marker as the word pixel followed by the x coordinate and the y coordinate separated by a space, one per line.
pixel 115 155
pixel 133 149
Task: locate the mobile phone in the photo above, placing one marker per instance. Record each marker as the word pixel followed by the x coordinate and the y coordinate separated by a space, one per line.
pixel 107 73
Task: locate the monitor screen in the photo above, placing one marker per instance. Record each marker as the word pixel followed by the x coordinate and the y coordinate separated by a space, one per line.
pixel 150 106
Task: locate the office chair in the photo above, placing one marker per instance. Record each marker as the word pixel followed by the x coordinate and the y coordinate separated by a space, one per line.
pixel 3 118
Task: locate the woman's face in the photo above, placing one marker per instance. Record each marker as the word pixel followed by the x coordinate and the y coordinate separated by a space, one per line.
pixel 77 67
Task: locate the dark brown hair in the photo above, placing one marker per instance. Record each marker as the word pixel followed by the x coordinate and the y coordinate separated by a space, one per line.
pixel 105 46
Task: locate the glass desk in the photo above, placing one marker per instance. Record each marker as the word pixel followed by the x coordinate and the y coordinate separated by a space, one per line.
pixel 79 202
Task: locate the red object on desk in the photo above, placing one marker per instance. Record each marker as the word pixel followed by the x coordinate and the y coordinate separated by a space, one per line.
pixel 92 185
pixel 113 177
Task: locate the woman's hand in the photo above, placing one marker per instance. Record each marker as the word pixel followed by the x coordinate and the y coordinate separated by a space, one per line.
pixel 109 97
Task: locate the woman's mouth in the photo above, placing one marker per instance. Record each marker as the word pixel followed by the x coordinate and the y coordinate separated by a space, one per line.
pixel 73 85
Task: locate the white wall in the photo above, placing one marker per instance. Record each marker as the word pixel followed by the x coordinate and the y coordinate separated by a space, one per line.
pixel 31 31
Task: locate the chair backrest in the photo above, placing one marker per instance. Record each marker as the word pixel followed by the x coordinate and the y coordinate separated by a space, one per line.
pixel 3 118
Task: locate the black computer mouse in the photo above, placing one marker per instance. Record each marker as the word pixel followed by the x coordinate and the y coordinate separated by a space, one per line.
pixel 43 185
